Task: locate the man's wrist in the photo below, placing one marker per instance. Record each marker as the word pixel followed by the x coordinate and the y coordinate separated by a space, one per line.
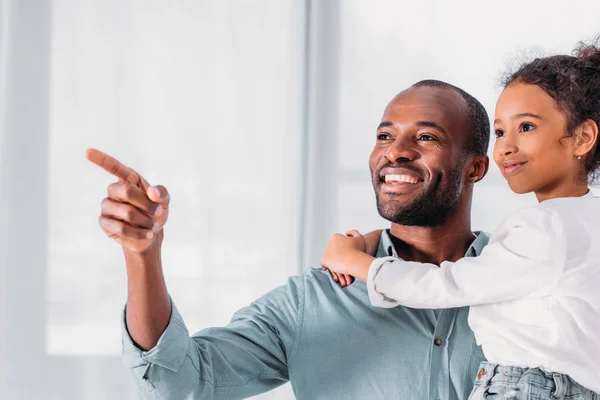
pixel 151 257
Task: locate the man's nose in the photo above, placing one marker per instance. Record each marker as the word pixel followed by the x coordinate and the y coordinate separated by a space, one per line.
pixel 401 150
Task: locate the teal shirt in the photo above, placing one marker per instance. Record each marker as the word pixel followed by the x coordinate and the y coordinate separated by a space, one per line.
pixel 328 341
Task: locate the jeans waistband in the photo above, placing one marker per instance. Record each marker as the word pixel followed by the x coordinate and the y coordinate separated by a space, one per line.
pixel 559 384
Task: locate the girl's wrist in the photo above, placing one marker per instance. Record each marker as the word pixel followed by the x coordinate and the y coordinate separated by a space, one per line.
pixel 360 264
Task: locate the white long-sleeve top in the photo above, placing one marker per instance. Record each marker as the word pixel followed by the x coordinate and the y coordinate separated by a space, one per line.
pixel 534 291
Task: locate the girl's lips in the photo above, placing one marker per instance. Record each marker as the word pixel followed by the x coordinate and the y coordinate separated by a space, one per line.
pixel 511 167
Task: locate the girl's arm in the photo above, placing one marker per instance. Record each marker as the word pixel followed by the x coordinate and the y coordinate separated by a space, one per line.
pixel 526 254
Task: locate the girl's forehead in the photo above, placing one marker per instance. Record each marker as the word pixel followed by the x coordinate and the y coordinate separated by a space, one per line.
pixel 521 98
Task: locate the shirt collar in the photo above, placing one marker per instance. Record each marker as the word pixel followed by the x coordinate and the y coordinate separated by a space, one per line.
pixel 589 194
pixel 386 247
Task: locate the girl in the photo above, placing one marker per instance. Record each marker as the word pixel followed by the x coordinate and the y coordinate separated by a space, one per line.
pixel 534 291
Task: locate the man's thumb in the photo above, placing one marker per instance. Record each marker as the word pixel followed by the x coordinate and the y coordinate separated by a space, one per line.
pixel 158 194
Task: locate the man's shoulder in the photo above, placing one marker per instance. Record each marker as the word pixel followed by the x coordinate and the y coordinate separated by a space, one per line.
pixel 287 303
pixel 316 278
pixel 297 284
pixel 316 275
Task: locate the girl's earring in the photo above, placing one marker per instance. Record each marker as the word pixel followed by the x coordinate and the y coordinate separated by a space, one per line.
pixel 579 157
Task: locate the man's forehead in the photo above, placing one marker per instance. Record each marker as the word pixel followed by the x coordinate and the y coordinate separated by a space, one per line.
pixel 435 104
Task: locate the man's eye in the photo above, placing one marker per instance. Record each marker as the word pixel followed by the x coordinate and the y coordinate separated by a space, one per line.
pixel 499 133
pixel 526 127
pixel 427 138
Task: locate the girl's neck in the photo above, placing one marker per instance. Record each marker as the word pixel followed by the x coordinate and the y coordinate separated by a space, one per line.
pixel 568 189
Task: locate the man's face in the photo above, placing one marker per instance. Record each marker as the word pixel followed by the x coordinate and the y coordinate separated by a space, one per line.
pixel 417 165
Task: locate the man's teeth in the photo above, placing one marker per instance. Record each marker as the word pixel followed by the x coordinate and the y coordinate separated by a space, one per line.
pixel 400 178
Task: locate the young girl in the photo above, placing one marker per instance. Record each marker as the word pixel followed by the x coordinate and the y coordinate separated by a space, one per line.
pixel 534 291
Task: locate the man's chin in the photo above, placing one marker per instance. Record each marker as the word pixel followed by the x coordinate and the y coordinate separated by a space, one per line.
pixel 393 210
pixel 410 210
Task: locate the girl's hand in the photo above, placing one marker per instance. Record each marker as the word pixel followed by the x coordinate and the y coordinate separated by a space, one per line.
pixel 339 253
pixel 343 279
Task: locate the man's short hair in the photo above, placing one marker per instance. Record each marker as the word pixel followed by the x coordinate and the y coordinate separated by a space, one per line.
pixel 479 121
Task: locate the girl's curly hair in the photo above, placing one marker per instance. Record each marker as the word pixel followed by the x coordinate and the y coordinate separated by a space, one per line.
pixel 574 83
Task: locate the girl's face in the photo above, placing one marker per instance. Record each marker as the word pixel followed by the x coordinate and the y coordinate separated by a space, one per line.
pixel 532 149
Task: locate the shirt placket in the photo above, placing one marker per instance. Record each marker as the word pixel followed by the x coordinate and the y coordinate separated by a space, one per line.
pixel 439 381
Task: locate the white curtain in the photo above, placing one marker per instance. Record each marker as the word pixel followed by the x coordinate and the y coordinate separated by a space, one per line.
pixel 258 115
pixel 204 97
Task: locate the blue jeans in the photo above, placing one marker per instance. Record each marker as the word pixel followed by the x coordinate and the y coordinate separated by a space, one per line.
pixel 495 382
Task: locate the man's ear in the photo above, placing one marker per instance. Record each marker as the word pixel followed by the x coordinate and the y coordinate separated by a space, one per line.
pixel 478 167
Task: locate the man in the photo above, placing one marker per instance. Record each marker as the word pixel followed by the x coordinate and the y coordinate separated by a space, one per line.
pixel 327 340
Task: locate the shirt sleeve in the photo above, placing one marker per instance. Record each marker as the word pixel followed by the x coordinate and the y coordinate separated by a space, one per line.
pixel 247 357
pixel 523 257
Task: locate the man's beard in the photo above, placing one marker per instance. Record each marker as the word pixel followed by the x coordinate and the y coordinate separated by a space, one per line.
pixel 429 208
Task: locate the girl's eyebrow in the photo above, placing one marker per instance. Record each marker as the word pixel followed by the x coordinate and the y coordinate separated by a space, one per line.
pixel 517 116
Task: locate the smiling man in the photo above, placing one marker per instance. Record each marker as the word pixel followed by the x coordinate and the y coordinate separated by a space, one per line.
pixel 418 178
pixel 327 340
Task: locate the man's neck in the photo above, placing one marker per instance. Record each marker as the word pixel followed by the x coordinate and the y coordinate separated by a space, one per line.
pixel 431 244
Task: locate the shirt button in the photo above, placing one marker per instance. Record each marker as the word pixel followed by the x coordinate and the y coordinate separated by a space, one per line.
pixel 437 341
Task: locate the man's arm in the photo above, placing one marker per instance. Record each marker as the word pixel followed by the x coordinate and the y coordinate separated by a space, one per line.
pixel 134 214
pixel 246 358
pixel 148 304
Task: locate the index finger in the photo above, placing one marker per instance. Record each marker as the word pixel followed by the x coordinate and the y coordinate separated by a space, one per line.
pixel 115 167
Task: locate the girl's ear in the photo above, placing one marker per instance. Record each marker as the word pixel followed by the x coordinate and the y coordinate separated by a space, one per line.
pixel 586 136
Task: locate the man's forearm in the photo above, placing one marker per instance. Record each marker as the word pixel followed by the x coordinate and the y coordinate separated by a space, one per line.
pixel 148 304
pixel 134 214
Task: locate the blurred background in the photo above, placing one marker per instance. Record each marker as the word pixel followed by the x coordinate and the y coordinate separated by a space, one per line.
pixel 257 115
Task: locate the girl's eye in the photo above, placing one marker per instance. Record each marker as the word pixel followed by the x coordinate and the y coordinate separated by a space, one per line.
pixel 383 136
pixel 526 127
pixel 499 133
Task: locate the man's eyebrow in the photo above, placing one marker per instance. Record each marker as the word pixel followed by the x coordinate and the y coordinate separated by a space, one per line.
pixel 431 124
pixel 426 124
pixel 385 124
pixel 517 116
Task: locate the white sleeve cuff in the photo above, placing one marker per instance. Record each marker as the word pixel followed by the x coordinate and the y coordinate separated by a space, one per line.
pixel 379 299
